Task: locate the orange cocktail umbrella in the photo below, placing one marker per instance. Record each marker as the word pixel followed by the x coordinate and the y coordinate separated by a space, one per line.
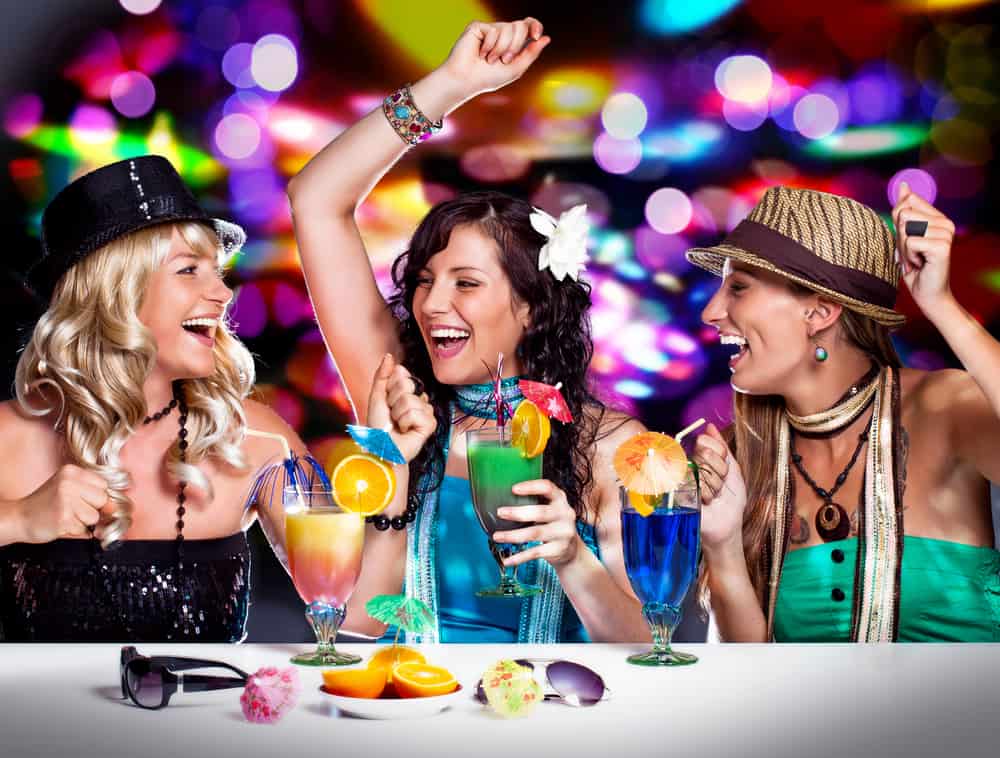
pixel 650 463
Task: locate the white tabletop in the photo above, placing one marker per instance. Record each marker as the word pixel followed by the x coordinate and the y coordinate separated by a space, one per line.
pixel 738 700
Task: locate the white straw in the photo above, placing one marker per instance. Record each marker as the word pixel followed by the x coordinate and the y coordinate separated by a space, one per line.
pixel 688 429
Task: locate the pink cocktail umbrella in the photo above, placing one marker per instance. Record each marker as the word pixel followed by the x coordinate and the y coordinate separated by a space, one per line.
pixel 548 398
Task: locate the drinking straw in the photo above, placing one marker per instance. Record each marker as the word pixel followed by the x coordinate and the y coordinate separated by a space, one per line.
pixel 289 459
pixel 688 429
pixel 679 436
pixel 498 396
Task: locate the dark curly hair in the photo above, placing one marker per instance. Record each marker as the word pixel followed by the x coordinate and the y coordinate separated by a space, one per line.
pixel 557 347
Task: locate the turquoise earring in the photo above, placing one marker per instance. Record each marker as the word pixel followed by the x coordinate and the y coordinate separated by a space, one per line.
pixel 821 354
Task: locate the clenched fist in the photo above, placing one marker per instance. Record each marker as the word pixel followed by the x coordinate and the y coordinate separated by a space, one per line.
pixel 489 56
pixel 395 406
pixel 66 505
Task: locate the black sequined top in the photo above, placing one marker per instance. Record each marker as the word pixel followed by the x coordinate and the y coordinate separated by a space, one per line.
pixel 71 590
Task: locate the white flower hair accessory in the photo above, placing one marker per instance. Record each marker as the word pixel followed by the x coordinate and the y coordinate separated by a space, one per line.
pixel 566 251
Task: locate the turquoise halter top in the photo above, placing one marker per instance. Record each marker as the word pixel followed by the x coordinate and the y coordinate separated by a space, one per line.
pixel 464 565
pixel 448 558
pixel 948 592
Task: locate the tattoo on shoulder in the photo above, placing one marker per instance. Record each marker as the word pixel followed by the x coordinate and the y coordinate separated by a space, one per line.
pixel 799 531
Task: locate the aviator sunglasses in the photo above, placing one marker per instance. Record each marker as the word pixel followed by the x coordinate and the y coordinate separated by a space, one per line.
pixel 573 683
pixel 149 682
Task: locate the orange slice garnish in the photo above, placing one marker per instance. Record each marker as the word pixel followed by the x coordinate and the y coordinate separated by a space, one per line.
pixel 339 450
pixel 643 504
pixel 388 658
pixel 530 429
pixel 650 463
pixel 423 680
pixel 363 484
pixel 367 683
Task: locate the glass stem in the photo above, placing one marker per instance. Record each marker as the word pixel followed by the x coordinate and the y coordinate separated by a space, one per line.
pixel 325 621
pixel 662 620
pixel 508 574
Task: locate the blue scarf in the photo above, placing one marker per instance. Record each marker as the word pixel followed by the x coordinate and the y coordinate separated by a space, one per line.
pixel 541 615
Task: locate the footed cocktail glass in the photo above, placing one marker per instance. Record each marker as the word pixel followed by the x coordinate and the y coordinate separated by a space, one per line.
pixel 661 559
pixel 495 466
pixel 324 544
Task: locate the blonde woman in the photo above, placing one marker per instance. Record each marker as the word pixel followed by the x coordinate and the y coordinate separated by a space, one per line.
pixel 129 424
pixel 855 503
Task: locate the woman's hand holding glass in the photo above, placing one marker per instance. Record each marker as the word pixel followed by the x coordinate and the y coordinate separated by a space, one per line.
pixel 723 491
pixel 553 524
pixel 395 405
pixel 489 56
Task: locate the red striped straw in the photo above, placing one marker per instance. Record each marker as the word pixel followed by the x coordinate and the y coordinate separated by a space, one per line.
pixel 498 393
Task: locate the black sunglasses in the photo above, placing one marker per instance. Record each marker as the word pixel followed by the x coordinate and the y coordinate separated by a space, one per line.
pixel 573 683
pixel 150 682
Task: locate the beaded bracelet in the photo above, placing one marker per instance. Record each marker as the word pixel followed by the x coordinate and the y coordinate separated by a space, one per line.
pixel 396 522
pixel 405 117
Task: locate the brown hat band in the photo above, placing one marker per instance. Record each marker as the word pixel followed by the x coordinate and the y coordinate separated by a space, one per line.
pixel 793 258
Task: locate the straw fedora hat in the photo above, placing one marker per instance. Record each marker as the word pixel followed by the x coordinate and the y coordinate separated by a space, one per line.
pixel 831 244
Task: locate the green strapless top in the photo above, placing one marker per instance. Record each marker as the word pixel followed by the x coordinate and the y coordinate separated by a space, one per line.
pixel 949 592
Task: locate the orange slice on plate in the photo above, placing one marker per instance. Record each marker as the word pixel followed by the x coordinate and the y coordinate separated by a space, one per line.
pixel 530 429
pixel 366 683
pixel 363 484
pixel 388 658
pixel 650 463
pixel 423 680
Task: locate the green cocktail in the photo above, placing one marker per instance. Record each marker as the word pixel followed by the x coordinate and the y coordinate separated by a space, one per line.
pixel 495 466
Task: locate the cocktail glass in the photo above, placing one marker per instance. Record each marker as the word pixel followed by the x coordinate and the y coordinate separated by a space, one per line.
pixel 324 544
pixel 495 466
pixel 661 559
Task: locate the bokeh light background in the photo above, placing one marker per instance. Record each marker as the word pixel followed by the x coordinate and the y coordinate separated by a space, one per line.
pixel 668 118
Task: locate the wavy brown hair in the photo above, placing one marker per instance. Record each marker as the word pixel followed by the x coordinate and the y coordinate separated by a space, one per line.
pixel 556 347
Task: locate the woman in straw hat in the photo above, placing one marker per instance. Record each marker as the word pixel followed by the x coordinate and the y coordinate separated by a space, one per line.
pixel 853 503
pixel 129 424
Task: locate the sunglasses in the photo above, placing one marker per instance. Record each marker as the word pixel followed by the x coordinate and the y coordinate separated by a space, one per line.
pixel 150 682
pixel 573 683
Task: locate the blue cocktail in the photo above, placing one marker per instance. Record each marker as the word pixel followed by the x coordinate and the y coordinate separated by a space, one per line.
pixel 661 558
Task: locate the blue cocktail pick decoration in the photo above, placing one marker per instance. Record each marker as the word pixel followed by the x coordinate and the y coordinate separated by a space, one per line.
pixel 377 442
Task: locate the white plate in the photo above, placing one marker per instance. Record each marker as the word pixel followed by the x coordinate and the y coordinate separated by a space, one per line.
pixel 401 708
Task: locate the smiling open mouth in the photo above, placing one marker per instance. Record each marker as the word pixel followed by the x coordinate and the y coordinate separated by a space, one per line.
pixel 742 348
pixel 449 342
pixel 202 328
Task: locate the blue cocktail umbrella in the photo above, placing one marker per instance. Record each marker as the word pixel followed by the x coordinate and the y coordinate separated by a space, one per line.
pixel 377 442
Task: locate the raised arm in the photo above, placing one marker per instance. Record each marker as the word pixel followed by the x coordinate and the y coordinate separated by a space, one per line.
pixel 392 403
pixel 356 324
pixel 973 399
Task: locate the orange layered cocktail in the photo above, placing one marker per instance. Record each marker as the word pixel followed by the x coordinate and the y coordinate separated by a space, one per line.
pixel 324 553
pixel 324 543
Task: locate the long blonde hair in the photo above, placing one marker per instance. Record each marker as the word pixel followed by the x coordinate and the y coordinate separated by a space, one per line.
pixel 93 352
pixel 753 437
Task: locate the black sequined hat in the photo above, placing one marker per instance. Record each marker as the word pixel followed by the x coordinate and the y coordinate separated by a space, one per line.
pixel 111 202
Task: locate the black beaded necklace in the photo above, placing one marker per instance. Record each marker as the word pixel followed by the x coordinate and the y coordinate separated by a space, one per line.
pixel 179 403
pixel 832 521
